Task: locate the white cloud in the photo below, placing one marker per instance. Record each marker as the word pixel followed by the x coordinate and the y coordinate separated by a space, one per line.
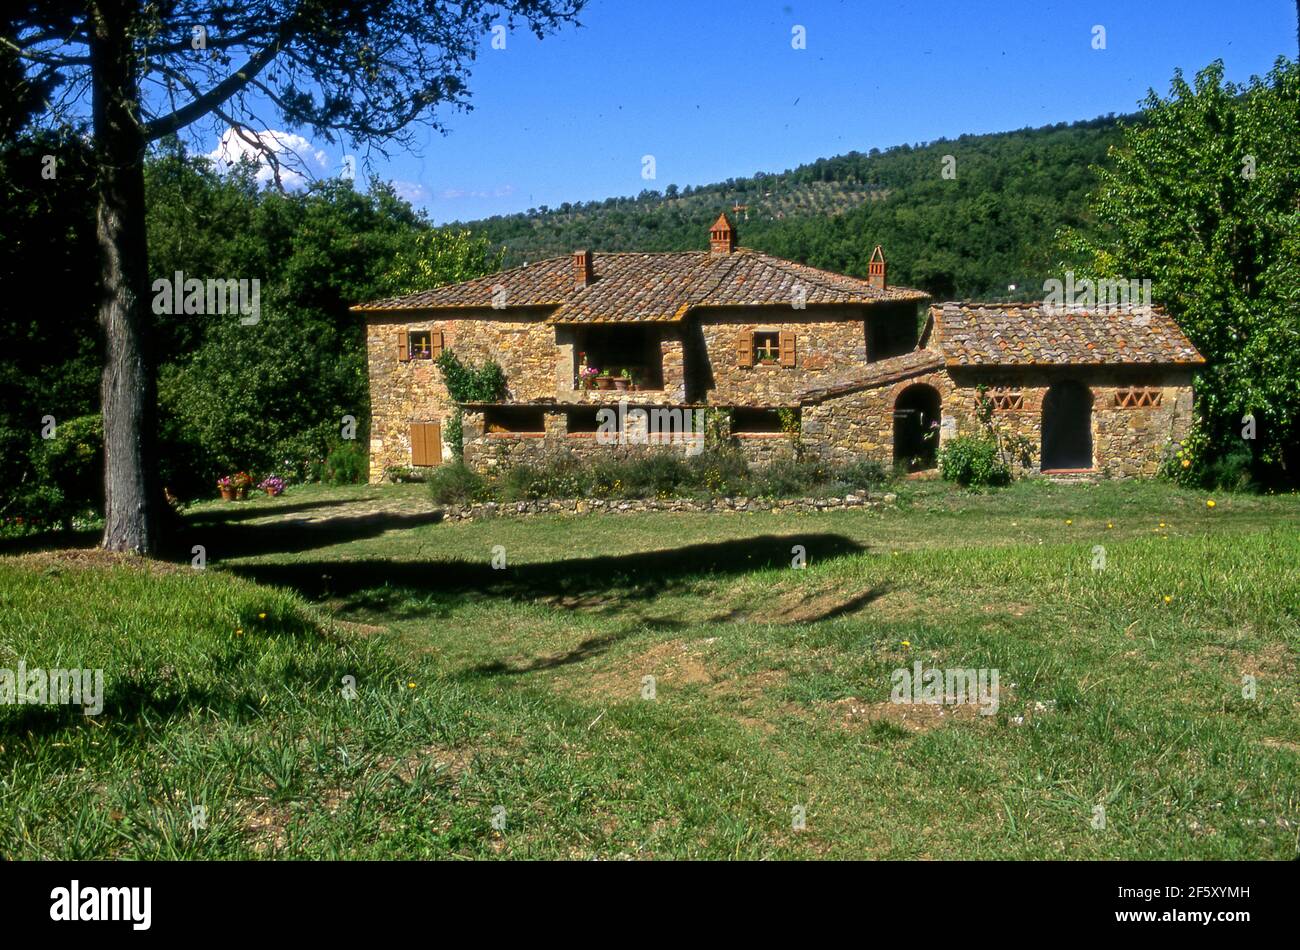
pixel 297 155
pixel 503 191
pixel 412 191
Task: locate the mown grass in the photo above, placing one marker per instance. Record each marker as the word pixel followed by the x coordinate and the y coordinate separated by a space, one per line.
pixel 771 683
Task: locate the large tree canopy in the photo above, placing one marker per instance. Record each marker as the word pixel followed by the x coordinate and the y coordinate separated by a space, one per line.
pixel 1203 198
pixel 364 70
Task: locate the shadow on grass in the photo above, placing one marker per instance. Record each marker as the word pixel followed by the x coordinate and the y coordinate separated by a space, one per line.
pixel 607 582
pixel 592 646
pixel 50 541
pixel 222 540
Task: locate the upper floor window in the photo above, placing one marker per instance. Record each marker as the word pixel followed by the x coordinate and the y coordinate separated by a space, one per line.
pixel 419 344
pixel 766 348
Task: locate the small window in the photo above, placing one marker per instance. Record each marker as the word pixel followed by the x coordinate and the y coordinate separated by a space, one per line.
pixel 421 344
pixel 514 420
pixel 755 422
pixel 767 348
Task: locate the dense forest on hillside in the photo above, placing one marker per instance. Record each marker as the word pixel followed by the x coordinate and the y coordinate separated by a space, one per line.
pixel 989 226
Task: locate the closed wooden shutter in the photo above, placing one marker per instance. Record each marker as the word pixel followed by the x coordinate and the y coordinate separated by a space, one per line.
pixel 787 348
pixel 435 344
pixel 403 346
pixel 426 443
pixel 745 349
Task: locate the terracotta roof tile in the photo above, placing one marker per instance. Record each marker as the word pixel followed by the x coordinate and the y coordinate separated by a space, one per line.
pixel 649 287
pixel 973 334
pixel 873 375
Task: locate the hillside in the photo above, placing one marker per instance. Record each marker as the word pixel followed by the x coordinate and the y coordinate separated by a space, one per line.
pixel 991 226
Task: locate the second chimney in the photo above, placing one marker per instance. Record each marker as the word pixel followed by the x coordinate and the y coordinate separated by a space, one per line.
pixel 876 269
pixel 582 273
pixel 722 236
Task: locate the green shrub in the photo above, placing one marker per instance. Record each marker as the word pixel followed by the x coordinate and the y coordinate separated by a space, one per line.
pixel 456 484
pixel 69 471
pixel 861 475
pixel 555 478
pixel 973 462
pixel 654 475
pixel 346 464
pixel 721 471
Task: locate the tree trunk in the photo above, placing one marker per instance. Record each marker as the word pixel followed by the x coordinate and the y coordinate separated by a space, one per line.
pixel 128 390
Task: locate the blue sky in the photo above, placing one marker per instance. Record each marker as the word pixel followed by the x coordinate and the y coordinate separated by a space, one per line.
pixel 715 89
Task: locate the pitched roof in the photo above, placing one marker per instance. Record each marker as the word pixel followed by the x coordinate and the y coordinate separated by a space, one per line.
pixel 881 373
pixel 973 334
pixel 635 287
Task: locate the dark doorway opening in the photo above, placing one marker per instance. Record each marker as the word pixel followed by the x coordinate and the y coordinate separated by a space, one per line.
pixel 916 427
pixel 1067 427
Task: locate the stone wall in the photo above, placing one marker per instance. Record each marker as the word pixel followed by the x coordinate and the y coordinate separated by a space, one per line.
pixel 485 451
pixel 1126 441
pixel 585 506
pixel 402 393
pixel 823 346
pixel 860 425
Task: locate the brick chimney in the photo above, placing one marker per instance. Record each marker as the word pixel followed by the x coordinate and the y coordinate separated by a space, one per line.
pixel 722 237
pixel 582 273
pixel 876 269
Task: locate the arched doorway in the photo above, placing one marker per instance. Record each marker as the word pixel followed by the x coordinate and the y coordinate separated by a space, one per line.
pixel 916 427
pixel 1067 427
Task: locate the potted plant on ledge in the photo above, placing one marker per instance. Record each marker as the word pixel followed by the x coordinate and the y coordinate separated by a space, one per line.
pixel 624 381
pixel 604 380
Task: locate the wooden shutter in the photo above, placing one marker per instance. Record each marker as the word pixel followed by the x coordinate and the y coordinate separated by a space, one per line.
pixel 403 346
pixel 745 349
pixel 435 344
pixel 426 443
pixel 787 348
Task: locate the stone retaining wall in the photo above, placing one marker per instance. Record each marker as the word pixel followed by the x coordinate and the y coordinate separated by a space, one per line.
pixel 582 506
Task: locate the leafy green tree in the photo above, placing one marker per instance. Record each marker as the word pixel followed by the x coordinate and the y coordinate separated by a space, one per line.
pixel 441 256
pixel 1203 198
pixel 366 70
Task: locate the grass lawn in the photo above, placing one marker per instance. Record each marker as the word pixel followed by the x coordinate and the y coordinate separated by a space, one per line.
pixel 505 712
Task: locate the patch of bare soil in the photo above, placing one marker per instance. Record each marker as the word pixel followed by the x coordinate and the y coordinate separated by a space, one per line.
pixel 671 663
pixel 853 713
pixel 1275 659
pixel 1282 744
pixel 83 558
pixel 743 697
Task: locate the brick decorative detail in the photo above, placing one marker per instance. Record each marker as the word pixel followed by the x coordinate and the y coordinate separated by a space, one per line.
pixel 1137 398
pixel 1007 400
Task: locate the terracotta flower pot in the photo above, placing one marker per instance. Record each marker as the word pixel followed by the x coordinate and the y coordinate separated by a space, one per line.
pixel 622 385
pixel 227 493
pixel 604 382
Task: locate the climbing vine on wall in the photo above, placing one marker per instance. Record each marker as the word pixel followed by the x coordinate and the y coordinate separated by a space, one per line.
pixel 486 383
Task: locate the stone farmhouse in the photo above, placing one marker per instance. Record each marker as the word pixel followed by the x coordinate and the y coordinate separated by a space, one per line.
pixel 849 369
